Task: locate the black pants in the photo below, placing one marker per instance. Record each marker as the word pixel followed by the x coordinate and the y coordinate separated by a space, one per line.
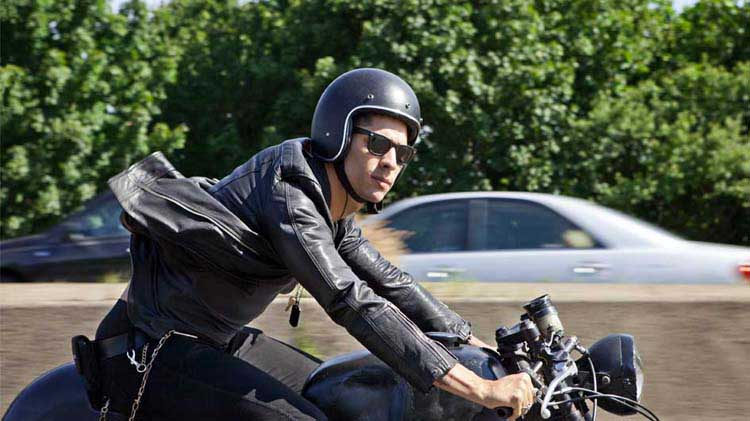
pixel 256 378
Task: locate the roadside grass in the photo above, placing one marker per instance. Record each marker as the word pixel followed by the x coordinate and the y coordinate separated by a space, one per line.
pixel 112 278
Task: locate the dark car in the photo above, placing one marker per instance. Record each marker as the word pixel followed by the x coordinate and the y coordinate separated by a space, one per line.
pixel 86 246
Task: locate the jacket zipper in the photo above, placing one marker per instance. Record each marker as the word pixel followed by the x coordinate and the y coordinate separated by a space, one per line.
pixel 195 212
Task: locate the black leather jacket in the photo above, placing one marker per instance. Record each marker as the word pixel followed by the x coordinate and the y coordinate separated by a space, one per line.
pixel 208 257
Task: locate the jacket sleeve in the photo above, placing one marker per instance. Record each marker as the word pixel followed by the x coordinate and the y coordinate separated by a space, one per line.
pixel 388 281
pixel 304 239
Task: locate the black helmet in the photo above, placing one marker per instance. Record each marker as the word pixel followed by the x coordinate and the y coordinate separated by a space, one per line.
pixel 355 92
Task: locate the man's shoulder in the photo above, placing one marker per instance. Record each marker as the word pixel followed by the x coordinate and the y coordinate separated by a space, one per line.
pixel 284 159
pixel 289 162
pixel 289 158
pixel 294 159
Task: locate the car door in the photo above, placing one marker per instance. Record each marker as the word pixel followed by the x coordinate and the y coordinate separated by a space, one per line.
pixel 519 240
pixel 89 244
pixel 437 238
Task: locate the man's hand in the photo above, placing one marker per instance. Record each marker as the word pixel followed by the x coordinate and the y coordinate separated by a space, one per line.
pixel 514 391
pixel 474 341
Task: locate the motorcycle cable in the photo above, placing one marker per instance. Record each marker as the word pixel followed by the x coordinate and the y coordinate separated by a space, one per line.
pixel 622 399
pixel 544 412
pixel 585 352
pixel 636 406
pixel 640 410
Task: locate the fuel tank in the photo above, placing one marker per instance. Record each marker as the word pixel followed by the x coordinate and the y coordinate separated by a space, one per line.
pixel 358 386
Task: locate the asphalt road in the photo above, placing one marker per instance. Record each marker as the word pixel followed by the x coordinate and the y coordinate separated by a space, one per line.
pixel 693 340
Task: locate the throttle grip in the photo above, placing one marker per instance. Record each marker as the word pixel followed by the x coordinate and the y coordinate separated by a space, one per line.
pixel 504 411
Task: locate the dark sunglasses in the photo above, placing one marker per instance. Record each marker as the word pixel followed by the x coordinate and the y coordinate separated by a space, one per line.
pixel 379 145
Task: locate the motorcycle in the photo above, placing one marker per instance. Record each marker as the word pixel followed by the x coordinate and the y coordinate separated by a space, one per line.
pixel 358 386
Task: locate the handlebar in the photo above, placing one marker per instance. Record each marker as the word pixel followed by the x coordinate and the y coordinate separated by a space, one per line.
pixel 569 371
pixel 539 339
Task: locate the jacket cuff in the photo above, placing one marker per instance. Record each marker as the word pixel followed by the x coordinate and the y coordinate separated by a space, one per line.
pixel 437 372
pixel 463 330
pixel 424 377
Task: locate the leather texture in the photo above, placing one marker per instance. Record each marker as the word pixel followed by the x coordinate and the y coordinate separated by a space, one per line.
pixel 208 258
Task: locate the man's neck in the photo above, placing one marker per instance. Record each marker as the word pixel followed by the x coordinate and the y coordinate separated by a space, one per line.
pixel 339 197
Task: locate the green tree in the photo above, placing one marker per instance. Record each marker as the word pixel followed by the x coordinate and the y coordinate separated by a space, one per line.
pixel 517 93
pixel 672 150
pixel 717 31
pixel 623 102
pixel 80 86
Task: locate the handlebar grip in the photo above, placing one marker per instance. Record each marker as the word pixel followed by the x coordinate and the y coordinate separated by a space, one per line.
pixel 504 411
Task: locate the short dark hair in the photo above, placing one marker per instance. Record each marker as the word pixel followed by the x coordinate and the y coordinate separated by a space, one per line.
pixel 363 119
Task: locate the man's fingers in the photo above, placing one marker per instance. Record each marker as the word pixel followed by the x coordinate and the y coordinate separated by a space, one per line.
pixel 528 388
pixel 520 399
pixel 517 411
pixel 529 391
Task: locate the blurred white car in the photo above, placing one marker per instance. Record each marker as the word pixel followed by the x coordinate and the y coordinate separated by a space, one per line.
pixel 534 237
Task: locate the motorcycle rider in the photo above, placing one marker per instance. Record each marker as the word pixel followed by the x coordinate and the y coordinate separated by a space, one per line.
pixel 208 257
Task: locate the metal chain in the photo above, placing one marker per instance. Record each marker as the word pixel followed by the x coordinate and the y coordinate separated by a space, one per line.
pixel 103 411
pixel 137 401
pixel 144 354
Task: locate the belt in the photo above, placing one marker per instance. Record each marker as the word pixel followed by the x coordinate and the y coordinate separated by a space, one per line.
pixel 120 344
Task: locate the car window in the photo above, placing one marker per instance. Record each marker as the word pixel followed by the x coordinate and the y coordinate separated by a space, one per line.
pixel 516 224
pixel 98 221
pixel 435 227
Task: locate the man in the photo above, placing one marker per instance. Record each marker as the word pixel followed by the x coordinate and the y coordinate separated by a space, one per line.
pixel 209 257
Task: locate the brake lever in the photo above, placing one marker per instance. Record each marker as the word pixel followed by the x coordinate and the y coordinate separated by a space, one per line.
pixel 544 412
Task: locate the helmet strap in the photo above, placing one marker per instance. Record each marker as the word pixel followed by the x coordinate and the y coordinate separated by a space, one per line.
pixel 343 210
pixel 373 208
pixel 341 173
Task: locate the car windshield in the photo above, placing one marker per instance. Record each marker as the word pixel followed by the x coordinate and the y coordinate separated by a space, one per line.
pixel 101 217
pixel 625 229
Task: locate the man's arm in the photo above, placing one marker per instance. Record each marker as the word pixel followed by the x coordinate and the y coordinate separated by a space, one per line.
pixel 304 239
pixel 399 287
pixel 513 391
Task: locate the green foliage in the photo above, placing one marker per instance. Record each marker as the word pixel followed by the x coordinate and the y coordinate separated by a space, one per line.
pixel 625 102
pixel 717 31
pixel 672 149
pixel 80 86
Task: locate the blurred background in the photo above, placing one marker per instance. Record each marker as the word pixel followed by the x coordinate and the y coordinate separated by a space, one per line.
pixel 625 123
pixel 631 103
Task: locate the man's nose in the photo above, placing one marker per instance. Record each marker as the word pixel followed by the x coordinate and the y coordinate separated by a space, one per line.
pixel 389 159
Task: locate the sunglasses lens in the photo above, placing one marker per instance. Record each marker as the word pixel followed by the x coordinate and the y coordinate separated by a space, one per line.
pixel 404 154
pixel 379 145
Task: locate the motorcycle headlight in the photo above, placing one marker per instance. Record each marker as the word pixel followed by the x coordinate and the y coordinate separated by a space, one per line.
pixel 619 371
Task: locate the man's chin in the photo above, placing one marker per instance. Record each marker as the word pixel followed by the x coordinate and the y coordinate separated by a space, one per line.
pixel 375 196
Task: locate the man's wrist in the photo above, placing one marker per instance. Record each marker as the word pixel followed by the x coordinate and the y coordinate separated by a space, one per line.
pixel 474 341
pixel 483 391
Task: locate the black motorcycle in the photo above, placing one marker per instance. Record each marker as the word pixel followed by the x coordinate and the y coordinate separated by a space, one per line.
pixel 358 386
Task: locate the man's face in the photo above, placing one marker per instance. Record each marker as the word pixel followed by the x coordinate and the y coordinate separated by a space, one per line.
pixel 373 176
